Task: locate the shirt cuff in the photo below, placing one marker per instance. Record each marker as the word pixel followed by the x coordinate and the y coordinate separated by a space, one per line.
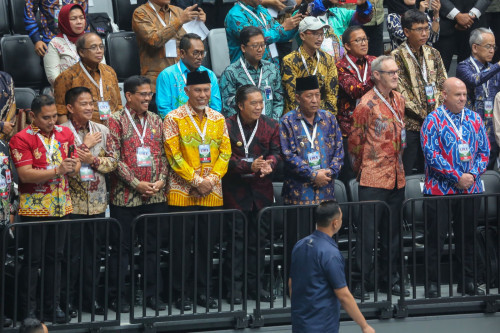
pixel 134 183
pixel 476 12
pixel 197 180
pixel 451 15
pixel 213 179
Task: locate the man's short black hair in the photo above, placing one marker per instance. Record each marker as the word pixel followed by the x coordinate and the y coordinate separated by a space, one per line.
pixel 40 101
pixel 243 92
pixel 346 36
pixel 72 95
pixel 31 325
pixel 130 85
pixel 413 16
pixel 185 43
pixel 326 212
pixel 248 32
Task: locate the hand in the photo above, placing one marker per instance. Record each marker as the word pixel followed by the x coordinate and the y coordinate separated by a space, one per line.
pixel 424 5
pixel 292 22
pixel 202 16
pixel 368 329
pixel 189 14
pixel 145 188
pixel 8 127
pixel 157 186
pixel 205 187
pixel 40 48
pixel 266 169
pixel 279 5
pixel 464 20
pixel 436 6
pixel 90 140
pixel 466 181
pixel 322 178
pixel 257 164
pixel 67 166
pixel 85 156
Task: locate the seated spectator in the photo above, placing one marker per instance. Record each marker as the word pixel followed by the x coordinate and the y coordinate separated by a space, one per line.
pixel 32 325
pixel 170 84
pixel 7 106
pixel 251 69
pixel 250 13
pixel 216 10
pixel 49 13
pixel 310 60
pixel 395 29
pixel 91 73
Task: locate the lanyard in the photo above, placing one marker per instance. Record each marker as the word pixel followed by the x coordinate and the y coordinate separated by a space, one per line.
pixel 363 80
pixel 60 3
pixel 311 140
pixel 248 74
pixel 245 144
pixel 141 137
pixel 71 47
pixel 50 151
pixel 263 21
pixel 305 65
pixel 159 17
pixel 75 133
pixel 423 68
pixel 389 105
pixel 182 74
pixel 202 135
pixel 101 90
pixel 459 132
pixel 485 86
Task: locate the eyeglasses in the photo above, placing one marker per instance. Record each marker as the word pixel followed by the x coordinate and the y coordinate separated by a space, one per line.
pixel 199 54
pixel 144 94
pixel 257 46
pixel 361 40
pixel 94 48
pixel 317 34
pixel 391 73
pixel 489 47
pixel 421 30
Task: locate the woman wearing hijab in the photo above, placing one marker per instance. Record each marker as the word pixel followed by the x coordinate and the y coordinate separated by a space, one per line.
pixel 61 53
pixel 7 106
pixel 399 7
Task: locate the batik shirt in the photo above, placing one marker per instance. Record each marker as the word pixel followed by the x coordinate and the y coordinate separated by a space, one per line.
pixel 9 197
pixel 7 101
pixel 293 67
pixel 298 187
pixel 443 167
pixel 238 18
pixel 481 87
pixel 47 9
pixel 170 92
pixel 51 198
pixel 234 76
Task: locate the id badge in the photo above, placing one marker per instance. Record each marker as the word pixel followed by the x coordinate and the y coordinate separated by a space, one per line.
pixel 403 138
pixel 488 109
pixel 3 188
pixel 53 181
pixel 429 93
pixel 204 151
pixel 104 110
pixel 314 160
pixel 268 91
pixel 144 157
pixel 56 16
pixel 464 152
pixel 8 176
pixel 274 50
pixel 86 173
pixel 327 46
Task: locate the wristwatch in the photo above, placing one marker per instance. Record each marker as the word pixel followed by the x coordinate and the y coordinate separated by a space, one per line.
pixel 436 19
pixel 471 14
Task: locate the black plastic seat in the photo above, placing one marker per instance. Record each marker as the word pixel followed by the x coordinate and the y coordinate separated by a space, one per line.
pixel 24 97
pixel 123 11
pixel 16 16
pixel 4 18
pixel 123 54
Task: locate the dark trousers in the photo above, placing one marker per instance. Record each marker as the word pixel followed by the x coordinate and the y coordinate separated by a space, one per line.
pixel 413 156
pixel 83 247
pixel 494 24
pixel 438 226
pixel 346 173
pixel 494 150
pixel 196 233
pixel 126 215
pixel 375 218
pixel 43 244
pixel 375 33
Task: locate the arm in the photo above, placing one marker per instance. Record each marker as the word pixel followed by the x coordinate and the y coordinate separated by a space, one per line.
pixel 338 155
pixel 116 92
pixel 51 62
pixel 30 20
pixel 350 84
pixel 332 89
pixel 350 306
pixel 363 13
pixel 480 7
pixel 104 163
pixel 275 83
pixel 228 93
pixel 395 29
pixel 496 118
pixel 274 154
pixel 60 87
pixel 441 76
pixel 412 107
pixel 215 100
pixel 220 166
pixel 288 82
pixel 143 24
pixel 472 79
pixel 164 95
pixel 357 139
pixel 482 156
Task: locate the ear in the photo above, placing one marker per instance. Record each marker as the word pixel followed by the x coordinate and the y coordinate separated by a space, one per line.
pixel 182 53
pixel 242 47
pixel 406 32
pixel 69 107
pixel 127 96
pixel 347 47
pixel 186 89
pixel 297 96
pixel 302 35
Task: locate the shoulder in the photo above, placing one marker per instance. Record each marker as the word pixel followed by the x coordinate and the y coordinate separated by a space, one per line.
pixel 63 132
pixel 169 70
pixel 107 69
pixel 289 116
pixel 214 115
pixel 116 116
pixel 101 128
pixel 290 57
pixel 211 74
pixel 142 9
pixel 178 113
pixel 270 121
pixel 154 117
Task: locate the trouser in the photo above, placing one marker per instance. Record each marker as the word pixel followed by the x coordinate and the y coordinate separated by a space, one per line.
pixel 413 156
pixel 82 250
pixel 148 260
pixel 494 150
pixel 375 33
pixel 43 249
pixel 196 232
pixel 494 24
pixel 346 173
pixel 438 219
pixel 376 218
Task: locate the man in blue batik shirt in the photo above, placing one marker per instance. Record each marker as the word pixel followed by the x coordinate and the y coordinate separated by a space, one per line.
pixel 170 84
pixel 482 79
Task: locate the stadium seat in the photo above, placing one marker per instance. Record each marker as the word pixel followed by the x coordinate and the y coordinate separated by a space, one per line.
pixel 4 18
pixel 24 97
pixel 277 187
pixel 340 192
pixel 122 12
pixel 16 15
pixel 413 190
pixel 21 62
pixel 491 184
pixel 219 51
pixel 353 189
pixel 123 54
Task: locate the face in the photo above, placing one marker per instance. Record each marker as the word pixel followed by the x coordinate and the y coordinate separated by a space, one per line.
pixel 199 94
pixel 94 50
pixel 254 49
pixel 309 101
pixel 139 101
pixel 313 38
pixel 455 96
pixel 193 57
pixel 358 46
pixel 418 34
pixel 486 50
pixel 77 20
pixel 82 109
pixel 253 3
pixel 252 107
pixel 387 77
pixel 46 118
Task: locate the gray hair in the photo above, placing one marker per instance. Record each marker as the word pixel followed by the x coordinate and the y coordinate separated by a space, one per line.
pixel 476 36
pixel 377 63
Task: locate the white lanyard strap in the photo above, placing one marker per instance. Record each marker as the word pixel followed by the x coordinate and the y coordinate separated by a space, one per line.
pixel 71 47
pixel 75 133
pixel 423 67
pixel 459 132
pixel 245 144
pixel 248 74
pixel 141 137
pixel 158 15
pixel 202 134
pixel 305 65
pixel 60 3
pixel 363 80
pixel 50 149
pixel 389 106
pixel 182 74
pixel 263 21
pixel 309 138
pixel 485 86
pixel 101 90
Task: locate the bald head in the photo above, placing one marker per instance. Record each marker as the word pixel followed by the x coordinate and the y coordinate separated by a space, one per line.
pixel 454 94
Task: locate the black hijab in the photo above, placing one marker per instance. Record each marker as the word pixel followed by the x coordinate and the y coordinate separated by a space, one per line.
pixel 398 6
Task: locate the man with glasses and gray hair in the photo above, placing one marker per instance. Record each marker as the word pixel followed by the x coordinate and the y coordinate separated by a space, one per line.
pixel 420 82
pixel 482 79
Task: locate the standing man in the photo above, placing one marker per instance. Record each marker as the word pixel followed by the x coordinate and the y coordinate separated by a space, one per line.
pixel 309 60
pixel 247 186
pixel 317 278
pixel 42 154
pixel 376 145
pixel 482 79
pixel 354 70
pixel 198 150
pixel 251 69
pixel 420 82
pixel 135 148
pixel 171 82
pixel 456 151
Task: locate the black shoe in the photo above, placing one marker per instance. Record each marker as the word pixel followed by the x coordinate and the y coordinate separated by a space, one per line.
pixel 396 290
pixel 432 292
pixel 211 303
pixel 236 298
pixel 58 317
pixel 265 296
pixel 357 293
pixel 471 289
pixel 71 310
pixel 186 306
pixel 7 322
pixel 124 306
pixel 98 308
pixel 153 304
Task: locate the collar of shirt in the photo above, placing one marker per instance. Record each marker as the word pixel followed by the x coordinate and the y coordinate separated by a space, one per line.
pixel 134 115
pixel 358 61
pixel 418 53
pixel 37 130
pixel 194 114
pixel 317 117
pixel 78 127
pixel 92 70
pixel 184 68
pixel 250 67
pixel 307 56
pixel 479 64
pixel 160 8
pixel 321 234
